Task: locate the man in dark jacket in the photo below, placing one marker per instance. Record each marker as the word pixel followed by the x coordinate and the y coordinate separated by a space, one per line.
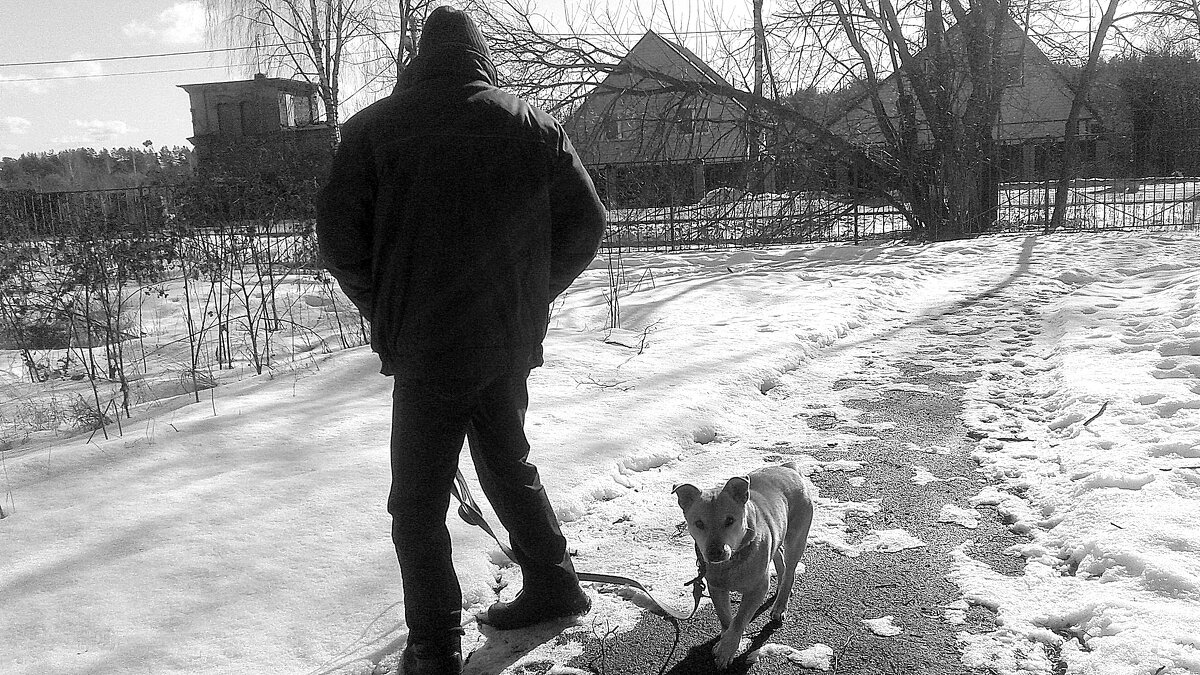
pixel 453 215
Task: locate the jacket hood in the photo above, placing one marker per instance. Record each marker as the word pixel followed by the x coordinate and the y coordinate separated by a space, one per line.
pixel 450 46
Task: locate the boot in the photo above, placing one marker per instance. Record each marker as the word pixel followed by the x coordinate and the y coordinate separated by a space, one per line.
pixel 538 603
pixel 430 659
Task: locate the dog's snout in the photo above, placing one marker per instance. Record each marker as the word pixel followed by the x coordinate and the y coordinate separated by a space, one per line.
pixel 716 553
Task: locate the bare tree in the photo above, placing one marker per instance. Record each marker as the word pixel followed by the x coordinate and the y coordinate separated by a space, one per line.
pixel 1172 21
pixel 316 40
pixel 932 75
pixel 1071 134
pixel 931 96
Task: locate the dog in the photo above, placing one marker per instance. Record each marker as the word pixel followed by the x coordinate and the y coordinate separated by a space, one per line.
pixel 740 529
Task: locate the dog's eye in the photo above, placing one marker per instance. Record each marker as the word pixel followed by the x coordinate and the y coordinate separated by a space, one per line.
pixel 699 524
pixel 729 521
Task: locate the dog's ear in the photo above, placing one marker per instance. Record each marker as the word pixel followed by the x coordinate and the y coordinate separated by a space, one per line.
pixel 686 494
pixel 738 488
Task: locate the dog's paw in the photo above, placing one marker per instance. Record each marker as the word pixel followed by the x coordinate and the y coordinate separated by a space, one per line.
pixel 778 618
pixel 725 649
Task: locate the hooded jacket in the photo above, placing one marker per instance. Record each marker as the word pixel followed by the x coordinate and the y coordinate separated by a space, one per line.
pixel 454 213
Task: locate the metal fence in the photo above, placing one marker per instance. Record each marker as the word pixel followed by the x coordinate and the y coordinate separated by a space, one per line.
pixel 1103 204
pixel 722 217
pixel 729 219
pixel 42 215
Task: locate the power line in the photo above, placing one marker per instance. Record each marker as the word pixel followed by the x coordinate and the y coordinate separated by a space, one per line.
pixel 221 50
pixel 127 57
pixel 132 72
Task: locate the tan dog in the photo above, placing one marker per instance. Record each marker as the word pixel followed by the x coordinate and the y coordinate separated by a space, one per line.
pixel 739 530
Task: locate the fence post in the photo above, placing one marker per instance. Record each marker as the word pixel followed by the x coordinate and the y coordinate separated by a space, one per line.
pixel 671 222
pixel 1046 206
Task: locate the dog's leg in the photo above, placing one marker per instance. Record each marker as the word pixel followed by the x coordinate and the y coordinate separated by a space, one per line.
pixel 720 600
pixel 731 637
pixel 782 588
pixel 793 551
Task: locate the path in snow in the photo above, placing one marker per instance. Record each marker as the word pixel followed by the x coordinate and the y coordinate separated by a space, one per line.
pixel 1081 557
pixel 902 496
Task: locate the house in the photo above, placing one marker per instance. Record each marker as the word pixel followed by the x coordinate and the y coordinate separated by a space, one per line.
pixel 659 121
pixel 239 123
pixel 1033 108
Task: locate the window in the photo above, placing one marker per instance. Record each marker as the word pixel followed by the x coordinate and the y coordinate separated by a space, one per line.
pixel 686 119
pixel 689 119
pixel 1012 69
pixel 287 111
pixel 305 109
pixel 612 128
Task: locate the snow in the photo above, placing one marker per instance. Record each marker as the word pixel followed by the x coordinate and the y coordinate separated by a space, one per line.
pixel 817 657
pixel 951 513
pixel 247 533
pixel 883 626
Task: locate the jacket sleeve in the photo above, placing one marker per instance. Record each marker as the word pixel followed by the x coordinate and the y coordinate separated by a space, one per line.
pixel 345 217
pixel 577 218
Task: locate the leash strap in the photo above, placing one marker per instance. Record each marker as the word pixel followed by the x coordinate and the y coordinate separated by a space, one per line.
pixel 469 511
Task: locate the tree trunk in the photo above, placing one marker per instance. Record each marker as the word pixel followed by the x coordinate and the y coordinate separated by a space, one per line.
pixel 1071 133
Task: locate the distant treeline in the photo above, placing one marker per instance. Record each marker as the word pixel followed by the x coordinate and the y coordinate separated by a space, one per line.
pixel 91 169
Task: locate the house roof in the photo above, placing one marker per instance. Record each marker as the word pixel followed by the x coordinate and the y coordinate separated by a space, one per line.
pixel 298 87
pixel 689 67
pixel 1027 48
pixel 688 56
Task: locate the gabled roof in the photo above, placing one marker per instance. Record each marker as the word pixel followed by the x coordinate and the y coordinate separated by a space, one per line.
pixel 1013 34
pixel 696 63
pixel 683 64
pixel 643 97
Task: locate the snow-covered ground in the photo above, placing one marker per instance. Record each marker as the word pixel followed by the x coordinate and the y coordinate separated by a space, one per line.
pixel 247 533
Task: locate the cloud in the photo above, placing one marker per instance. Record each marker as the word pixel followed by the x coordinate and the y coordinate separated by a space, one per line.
pixel 15 125
pixel 98 131
pixel 139 29
pixel 184 23
pixel 180 24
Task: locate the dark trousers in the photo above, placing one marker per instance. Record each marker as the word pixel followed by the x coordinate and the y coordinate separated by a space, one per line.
pixel 430 419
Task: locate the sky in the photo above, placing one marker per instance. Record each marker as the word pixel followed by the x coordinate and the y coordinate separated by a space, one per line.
pixel 85 103
pixel 89 102
pixel 247 533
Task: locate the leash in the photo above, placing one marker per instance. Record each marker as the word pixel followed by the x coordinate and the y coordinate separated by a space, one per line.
pixel 469 511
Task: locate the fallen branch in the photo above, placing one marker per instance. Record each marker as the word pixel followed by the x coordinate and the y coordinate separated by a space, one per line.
pixel 603 385
pixel 1099 412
